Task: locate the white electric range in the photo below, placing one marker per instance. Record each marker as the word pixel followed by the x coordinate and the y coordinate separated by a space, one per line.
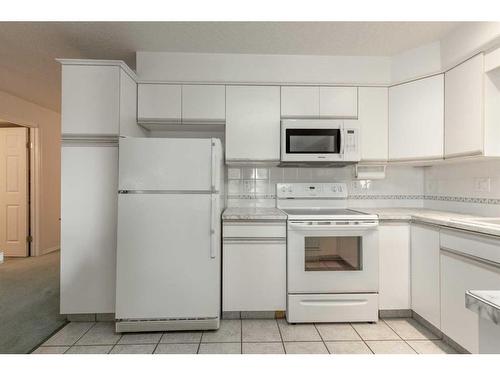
pixel 332 255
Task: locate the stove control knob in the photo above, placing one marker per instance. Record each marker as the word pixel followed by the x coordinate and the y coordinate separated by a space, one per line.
pixel 283 189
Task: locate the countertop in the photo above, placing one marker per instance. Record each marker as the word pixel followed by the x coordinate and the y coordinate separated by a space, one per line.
pixel 486 303
pixel 442 218
pixel 253 213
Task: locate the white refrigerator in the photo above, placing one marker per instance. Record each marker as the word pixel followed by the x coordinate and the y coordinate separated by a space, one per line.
pixel 169 236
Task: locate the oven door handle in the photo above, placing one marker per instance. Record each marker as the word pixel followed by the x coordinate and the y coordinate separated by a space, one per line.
pixel 303 226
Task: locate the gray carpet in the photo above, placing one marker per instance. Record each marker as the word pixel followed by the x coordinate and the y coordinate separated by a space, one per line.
pixel 29 302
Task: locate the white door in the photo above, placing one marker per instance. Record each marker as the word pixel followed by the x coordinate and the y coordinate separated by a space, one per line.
pixel 464 107
pixel 252 123
pixel 338 102
pixel 425 293
pixel 322 260
pixel 165 164
pixel 416 119
pixel 159 103
pixel 394 275
pixel 13 192
pixel 167 265
pixel 373 119
pixel 203 103
pixel 300 102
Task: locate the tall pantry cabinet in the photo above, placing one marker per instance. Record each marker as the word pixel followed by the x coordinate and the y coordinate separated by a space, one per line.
pixel 98 105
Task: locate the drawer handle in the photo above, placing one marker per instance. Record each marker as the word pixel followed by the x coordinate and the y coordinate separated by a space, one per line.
pixel 471 257
pixel 348 302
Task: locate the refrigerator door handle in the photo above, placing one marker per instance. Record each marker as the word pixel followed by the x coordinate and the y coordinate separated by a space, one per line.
pixel 215 168
pixel 213 226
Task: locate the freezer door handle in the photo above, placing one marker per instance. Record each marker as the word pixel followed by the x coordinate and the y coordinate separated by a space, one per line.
pixel 213 227
pixel 215 168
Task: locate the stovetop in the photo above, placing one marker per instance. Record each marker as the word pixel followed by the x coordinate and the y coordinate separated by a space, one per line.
pixel 316 213
pixel 311 211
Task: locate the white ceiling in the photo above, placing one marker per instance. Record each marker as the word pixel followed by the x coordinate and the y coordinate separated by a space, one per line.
pixel 28 49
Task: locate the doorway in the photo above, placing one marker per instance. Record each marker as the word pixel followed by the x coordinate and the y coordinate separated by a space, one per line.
pixel 16 190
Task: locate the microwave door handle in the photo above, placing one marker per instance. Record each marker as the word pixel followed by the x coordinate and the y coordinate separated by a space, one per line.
pixel 342 139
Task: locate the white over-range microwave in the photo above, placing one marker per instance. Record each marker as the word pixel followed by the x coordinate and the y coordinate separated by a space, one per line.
pixel 320 141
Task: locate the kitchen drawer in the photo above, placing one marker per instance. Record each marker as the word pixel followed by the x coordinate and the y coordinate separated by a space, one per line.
pixel 358 307
pixel 248 229
pixel 479 246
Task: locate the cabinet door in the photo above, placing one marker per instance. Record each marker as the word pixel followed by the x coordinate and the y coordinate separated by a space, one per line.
pixel 300 102
pixel 252 123
pixel 373 122
pixel 338 102
pixel 416 124
pixel 89 185
pixel 254 276
pixel 459 274
pixel 394 274
pixel 203 103
pixel 90 100
pixel 464 108
pixel 128 108
pixel 159 103
pixel 425 299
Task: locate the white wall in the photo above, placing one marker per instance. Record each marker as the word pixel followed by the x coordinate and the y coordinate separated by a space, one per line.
pixel 212 67
pixel 20 111
pixel 416 63
pixel 467 40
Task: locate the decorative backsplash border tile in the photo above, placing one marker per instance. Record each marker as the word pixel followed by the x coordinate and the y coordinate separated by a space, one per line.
pixel 383 196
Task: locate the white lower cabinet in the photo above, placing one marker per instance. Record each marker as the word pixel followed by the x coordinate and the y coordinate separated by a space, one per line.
pixel 394 267
pixel 461 272
pixel 254 272
pixel 425 273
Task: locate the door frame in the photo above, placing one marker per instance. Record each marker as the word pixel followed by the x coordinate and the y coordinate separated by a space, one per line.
pixel 34 182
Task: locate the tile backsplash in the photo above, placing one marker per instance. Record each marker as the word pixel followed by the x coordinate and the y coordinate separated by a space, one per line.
pixel 247 186
pixel 470 186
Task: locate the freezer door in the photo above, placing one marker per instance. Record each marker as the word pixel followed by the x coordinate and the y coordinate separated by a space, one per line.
pixel 165 164
pixel 167 264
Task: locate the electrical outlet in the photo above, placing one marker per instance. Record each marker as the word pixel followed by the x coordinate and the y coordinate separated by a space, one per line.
pixel 482 184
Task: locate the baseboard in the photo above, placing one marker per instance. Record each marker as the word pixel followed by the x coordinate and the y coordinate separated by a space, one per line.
pixel 231 315
pixel 401 313
pixel 49 250
pixel 436 331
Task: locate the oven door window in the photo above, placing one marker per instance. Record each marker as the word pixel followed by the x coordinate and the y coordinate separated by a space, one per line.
pixel 333 254
pixel 312 141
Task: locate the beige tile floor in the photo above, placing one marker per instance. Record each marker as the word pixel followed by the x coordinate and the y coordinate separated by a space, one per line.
pixel 265 336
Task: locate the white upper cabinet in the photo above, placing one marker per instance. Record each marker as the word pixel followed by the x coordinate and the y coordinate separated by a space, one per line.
pixel 159 103
pixel 464 106
pixel 319 102
pixel 338 102
pixel 252 123
pixel 203 103
pixel 128 107
pixel 416 119
pixel 300 102
pixel 90 100
pixel 373 118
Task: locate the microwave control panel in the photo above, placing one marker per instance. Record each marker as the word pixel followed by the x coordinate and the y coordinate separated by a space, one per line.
pixel 351 144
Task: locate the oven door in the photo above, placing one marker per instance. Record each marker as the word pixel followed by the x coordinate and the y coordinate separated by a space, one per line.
pixel 313 140
pixel 332 257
